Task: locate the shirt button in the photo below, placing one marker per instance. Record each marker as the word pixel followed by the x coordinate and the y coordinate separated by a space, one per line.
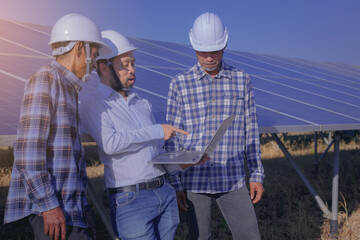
pixel 213 116
pixel 213 100
pixel 213 132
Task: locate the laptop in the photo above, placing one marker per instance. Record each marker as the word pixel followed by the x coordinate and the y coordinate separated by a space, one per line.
pixel 193 157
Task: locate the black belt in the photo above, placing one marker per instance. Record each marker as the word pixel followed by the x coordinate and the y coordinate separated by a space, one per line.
pixel 148 185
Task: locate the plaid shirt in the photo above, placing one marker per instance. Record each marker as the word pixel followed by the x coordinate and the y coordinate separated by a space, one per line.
pixel 49 168
pixel 198 103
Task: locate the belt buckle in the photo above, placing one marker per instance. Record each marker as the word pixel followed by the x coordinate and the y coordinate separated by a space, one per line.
pixel 153 183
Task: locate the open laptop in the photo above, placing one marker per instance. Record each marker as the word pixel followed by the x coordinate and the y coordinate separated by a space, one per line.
pixel 192 157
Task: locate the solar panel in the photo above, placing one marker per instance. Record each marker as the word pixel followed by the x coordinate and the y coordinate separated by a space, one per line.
pixel 292 95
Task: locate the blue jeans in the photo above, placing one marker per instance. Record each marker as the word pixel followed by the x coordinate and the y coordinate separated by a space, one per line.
pixel 145 214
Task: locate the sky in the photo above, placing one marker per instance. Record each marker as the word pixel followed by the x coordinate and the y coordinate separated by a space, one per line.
pixel 325 30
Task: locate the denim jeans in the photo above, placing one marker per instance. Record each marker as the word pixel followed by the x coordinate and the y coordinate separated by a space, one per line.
pixel 145 214
pixel 236 207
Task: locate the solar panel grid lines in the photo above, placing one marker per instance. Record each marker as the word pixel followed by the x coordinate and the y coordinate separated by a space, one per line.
pixel 23 55
pixel 165 59
pixel 335 67
pixel 178 69
pixel 330 72
pixel 257 106
pixel 156 61
pixel 297 124
pixel 151 70
pixel 163 47
pixel 309 92
pixel 24 36
pixel 10 98
pixel 286 114
pixel 299 65
pixel 22 67
pixel 26 47
pixel 309 64
pixel 317 68
pixel 293 78
pixel 297 72
pixel 13 76
pixel 308 104
pixel 165 54
pixel 29 27
pixel 291 94
pixel 150 92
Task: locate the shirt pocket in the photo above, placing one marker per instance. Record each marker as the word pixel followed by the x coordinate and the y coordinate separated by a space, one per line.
pixel 195 108
pixel 233 103
pixel 125 198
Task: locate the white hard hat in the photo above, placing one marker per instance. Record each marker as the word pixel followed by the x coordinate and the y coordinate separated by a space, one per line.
pixel 74 28
pixel 117 42
pixel 208 33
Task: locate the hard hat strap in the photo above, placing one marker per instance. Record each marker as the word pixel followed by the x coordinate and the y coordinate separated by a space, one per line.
pixel 208 69
pixel 61 50
pixel 116 85
pixel 88 61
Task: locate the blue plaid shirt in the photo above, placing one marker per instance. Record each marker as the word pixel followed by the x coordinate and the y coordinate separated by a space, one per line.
pixel 198 103
pixel 49 167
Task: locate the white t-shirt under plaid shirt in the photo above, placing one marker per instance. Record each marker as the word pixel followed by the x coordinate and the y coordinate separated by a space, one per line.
pixel 198 103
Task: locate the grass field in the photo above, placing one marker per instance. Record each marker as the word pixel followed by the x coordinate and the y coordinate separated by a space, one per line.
pixel 287 209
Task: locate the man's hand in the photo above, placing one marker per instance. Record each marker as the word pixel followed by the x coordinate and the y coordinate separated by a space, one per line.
pixel 181 200
pixel 170 131
pixel 55 223
pixel 256 191
pixel 202 161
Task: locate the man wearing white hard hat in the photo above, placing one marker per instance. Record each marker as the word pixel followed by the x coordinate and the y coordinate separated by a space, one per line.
pixel 198 101
pixel 143 204
pixel 48 181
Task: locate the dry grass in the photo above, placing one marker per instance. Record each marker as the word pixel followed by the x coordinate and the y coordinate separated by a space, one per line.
pixel 287 210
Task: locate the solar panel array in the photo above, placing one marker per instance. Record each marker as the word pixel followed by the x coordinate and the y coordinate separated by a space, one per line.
pixel 292 95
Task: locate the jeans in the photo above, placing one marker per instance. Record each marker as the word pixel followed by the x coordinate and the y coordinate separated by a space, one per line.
pixel 145 214
pixel 236 208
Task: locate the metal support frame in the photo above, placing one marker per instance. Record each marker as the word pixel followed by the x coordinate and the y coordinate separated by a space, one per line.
pixel 335 182
pixel 335 188
pixel 315 150
pixel 317 160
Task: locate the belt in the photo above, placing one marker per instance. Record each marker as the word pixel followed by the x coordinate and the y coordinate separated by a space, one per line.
pixel 148 185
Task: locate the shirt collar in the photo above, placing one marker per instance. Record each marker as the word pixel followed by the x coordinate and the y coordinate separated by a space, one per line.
pixel 69 76
pixel 224 71
pixel 106 91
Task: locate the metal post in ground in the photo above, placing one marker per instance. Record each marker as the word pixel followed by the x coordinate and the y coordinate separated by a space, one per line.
pixel 335 189
pixel 315 148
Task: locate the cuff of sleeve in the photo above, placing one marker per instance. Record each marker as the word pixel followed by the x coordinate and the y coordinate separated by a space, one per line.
pixel 48 203
pixel 177 185
pixel 175 182
pixel 158 131
pixel 179 188
pixel 256 178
